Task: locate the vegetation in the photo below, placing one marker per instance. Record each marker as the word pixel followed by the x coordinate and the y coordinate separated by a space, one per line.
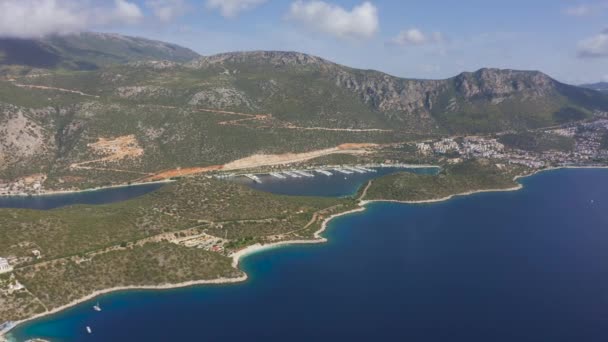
pixel 455 179
pixel 86 51
pixel 76 112
pixel 604 141
pixel 302 103
pixel 87 248
pixel 537 141
pixel 153 264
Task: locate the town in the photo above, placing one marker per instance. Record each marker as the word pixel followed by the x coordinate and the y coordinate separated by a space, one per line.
pixel 576 144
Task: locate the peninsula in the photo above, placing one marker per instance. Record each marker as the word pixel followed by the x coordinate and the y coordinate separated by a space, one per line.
pixel 196 122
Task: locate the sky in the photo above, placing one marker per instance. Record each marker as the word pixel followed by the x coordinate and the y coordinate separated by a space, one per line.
pixel 567 39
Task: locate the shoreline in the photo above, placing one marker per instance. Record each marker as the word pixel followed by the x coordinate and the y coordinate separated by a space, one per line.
pixel 249 250
pixel 166 181
pixel 98 293
pixel 443 199
pixel 236 258
pixel 519 186
pixel 253 249
pixel 70 192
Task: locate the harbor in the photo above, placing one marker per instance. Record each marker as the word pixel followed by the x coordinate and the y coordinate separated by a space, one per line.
pixel 325 181
pixel 328 170
pixel 446 252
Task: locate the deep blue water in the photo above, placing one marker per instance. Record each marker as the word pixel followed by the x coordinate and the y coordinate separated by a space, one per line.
pixel 336 185
pixel 530 265
pixel 103 196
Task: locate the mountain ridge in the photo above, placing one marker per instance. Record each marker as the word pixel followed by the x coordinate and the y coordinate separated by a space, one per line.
pixel 87 51
pixel 486 90
pixel 599 86
pixel 215 109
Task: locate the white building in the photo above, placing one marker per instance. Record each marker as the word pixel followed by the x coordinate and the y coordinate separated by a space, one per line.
pixel 4 266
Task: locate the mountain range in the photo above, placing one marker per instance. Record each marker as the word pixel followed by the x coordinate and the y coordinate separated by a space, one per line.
pixel 599 86
pixel 87 51
pixel 59 96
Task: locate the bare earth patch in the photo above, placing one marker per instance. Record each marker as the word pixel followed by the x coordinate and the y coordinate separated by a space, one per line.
pixel 114 150
pixel 258 160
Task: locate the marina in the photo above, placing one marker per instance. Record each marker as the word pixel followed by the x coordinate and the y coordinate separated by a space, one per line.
pixel 354 169
pixel 253 178
pixel 344 171
pixel 277 175
pixel 321 182
pixel 304 173
pixel 292 174
pixel 454 273
pixel 324 172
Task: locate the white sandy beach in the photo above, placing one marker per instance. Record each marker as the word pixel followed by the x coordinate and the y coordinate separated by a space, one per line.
pixel 237 256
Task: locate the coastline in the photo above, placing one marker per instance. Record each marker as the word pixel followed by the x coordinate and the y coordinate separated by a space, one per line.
pixel 519 186
pixel 239 255
pixel 442 199
pixel 166 181
pixel 69 192
pixel 236 257
pixel 95 294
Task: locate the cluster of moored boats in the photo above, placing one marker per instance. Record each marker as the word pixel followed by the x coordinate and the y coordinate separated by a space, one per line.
pixel 347 170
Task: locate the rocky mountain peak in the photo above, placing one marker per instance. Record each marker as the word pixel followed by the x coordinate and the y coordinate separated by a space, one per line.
pixel 501 82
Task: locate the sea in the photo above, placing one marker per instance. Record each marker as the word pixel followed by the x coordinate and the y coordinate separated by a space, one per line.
pixel 101 196
pixel 527 265
pixel 335 185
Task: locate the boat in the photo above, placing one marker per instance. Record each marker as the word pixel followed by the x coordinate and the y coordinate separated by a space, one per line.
pixel 343 171
pixel 303 173
pixel 366 169
pixel 277 175
pixel 291 174
pixel 324 172
pixel 354 169
pixel 96 307
pixel 89 330
pixel 254 178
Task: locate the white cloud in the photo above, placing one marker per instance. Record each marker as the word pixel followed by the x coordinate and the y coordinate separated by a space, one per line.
pixel 231 8
pixel 415 36
pixel 585 10
pixel 578 11
pixel 35 18
pixel 167 10
pixel 360 22
pixel 19 18
pixel 595 46
pixel 126 12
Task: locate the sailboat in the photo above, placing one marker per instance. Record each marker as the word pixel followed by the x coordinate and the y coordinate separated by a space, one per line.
pixel 89 330
pixel 96 307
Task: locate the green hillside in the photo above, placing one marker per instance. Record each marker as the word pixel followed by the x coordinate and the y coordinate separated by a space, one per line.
pixel 87 51
pixel 217 109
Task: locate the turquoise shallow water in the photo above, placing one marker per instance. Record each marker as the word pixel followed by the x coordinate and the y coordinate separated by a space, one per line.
pixel 530 265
